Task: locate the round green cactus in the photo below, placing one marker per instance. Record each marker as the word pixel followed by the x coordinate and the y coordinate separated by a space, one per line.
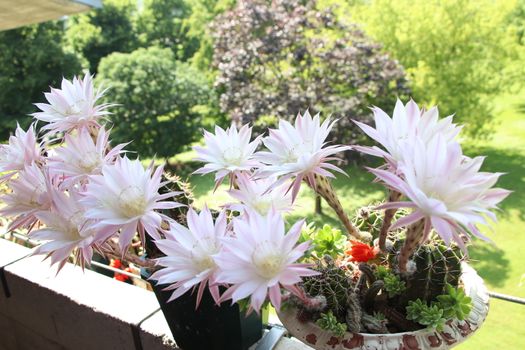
pixel 332 283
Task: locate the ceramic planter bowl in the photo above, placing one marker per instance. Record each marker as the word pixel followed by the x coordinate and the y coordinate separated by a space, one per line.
pixel 455 331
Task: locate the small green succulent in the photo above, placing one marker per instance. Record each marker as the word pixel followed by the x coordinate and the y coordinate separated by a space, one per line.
pixel 455 303
pixel 329 322
pixel 381 272
pixel 325 241
pixel 393 284
pixel 430 316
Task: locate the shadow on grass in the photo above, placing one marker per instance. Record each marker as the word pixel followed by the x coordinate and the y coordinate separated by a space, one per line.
pixel 490 262
pixel 512 163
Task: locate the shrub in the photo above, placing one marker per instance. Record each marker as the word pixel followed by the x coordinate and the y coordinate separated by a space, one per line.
pixel 277 59
pixel 162 100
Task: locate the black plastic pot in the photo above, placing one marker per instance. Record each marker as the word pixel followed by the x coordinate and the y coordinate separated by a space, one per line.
pixel 209 327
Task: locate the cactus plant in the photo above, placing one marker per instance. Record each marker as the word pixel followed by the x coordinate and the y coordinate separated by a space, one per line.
pixel 353 313
pixel 436 265
pixel 368 219
pixel 375 323
pixel 332 283
pixel 174 183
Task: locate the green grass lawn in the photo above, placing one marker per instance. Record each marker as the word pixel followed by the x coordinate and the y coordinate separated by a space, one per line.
pixel 501 264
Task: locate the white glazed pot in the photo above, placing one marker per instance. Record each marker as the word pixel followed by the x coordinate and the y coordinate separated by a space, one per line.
pixel 454 332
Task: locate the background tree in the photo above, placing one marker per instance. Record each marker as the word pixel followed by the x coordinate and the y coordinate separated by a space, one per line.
pixel 162 101
pixel 278 58
pixel 203 12
pixel 457 53
pixel 32 58
pixel 161 23
pixel 102 31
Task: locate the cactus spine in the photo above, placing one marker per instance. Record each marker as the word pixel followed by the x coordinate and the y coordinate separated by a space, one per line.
pixel 333 284
pixel 436 265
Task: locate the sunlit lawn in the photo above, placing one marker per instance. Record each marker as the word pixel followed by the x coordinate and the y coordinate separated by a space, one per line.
pixel 501 264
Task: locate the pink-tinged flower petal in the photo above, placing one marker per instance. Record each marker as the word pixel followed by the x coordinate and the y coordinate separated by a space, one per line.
pixel 407 220
pixel 81 157
pixel 445 186
pixel 261 258
pixel 190 254
pixel 407 124
pixel 299 151
pixel 126 195
pixel 227 152
pixel 275 296
pixel 260 195
pixel 21 151
pixel 74 106
pixel 30 193
pixel 65 231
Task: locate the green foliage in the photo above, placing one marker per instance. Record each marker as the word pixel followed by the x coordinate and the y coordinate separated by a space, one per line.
pixel 103 31
pixel 202 14
pixel 458 53
pixel 455 303
pixel 326 241
pixel 32 58
pixel 161 23
pixel 517 19
pixel 430 316
pixel 329 322
pixel 162 101
pixel 379 316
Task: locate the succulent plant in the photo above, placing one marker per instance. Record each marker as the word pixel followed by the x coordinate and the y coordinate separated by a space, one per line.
pixel 430 316
pixel 394 285
pixel 455 303
pixel 326 241
pixel 329 322
pixel 392 282
pixel 369 220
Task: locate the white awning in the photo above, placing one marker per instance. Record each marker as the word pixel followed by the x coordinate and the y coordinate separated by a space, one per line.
pixel 17 13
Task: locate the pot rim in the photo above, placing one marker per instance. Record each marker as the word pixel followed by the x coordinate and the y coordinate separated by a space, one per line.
pixel 454 332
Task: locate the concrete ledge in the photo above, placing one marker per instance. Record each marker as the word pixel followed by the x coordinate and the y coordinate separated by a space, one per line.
pixel 79 310
pixel 75 309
